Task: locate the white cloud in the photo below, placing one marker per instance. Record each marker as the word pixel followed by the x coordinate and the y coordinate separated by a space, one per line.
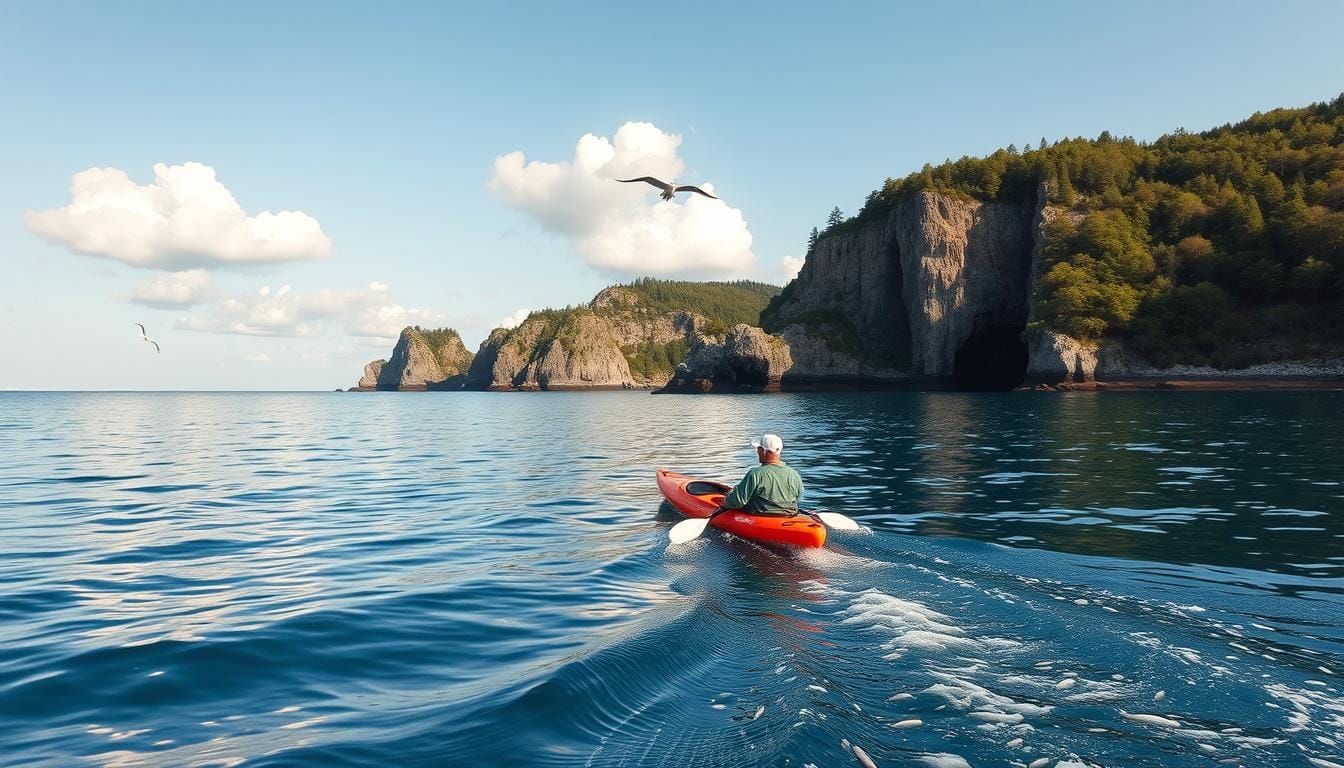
pixel 185 218
pixel 614 226
pixel 514 320
pixel 173 290
pixel 790 266
pixel 369 313
pixel 261 357
pixel 384 323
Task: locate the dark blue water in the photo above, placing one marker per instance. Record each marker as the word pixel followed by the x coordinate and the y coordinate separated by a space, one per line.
pixel 1115 579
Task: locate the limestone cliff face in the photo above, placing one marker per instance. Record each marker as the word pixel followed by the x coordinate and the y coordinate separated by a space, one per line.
pixel 591 347
pixel 577 351
pixel 369 381
pixel 923 293
pixel 746 359
pixel 1058 359
pixel 425 360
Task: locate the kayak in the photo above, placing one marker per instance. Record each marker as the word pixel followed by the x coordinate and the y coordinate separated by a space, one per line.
pixel 699 498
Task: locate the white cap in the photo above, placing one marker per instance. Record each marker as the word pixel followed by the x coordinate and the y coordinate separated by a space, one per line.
pixel 771 443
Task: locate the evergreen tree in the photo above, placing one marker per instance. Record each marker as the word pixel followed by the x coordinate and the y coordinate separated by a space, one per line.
pixel 812 240
pixel 835 218
pixel 1067 195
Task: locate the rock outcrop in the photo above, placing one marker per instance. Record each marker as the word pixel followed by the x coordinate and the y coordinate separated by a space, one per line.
pixel 369 381
pixel 585 353
pixel 425 359
pixel 937 290
pixel 746 359
pixel 1058 359
pixel 617 341
pixel 574 349
pixel 628 336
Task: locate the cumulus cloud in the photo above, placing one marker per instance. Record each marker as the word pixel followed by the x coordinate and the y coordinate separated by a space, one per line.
pixel 366 312
pixel 790 266
pixel 514 320
pixel 173 290
pixel 184 218
pixel 614 226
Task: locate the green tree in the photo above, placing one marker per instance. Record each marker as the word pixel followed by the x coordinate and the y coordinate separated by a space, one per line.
pixel 1311 279
pixel 835 218
pixel 1078 304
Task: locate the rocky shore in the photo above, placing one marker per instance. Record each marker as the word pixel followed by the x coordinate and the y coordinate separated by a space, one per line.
pixel 935 293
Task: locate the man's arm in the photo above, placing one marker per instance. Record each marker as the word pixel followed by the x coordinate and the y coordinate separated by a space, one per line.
pixel 741 493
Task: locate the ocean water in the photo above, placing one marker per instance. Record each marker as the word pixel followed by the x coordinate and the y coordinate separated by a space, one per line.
pixel 1113 579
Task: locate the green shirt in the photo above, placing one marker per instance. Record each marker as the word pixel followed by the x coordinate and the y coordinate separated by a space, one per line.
pixel 767 489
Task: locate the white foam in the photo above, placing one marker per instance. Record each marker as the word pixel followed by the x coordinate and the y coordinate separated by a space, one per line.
pixel 908 724
pixel 911 626
pixel 1010 718
pixel 944 760
pixel 963 694
pixel 1150 719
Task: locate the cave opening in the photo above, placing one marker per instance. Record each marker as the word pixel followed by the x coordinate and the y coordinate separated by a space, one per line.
pixel 991 361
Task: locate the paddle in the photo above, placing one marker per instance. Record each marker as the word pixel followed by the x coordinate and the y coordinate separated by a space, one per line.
pixel 689 530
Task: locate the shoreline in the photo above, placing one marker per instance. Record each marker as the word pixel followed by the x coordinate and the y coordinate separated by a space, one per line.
pixel 1230 383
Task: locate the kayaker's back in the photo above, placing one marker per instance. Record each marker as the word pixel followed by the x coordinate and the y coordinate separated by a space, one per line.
pixel 768 489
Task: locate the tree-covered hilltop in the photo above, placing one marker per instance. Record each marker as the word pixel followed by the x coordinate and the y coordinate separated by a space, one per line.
pixel 723 304
pixel 446 345
pixel 640 320
pixel 1224 247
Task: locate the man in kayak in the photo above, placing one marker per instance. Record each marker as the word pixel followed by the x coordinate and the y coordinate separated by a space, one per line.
pixel 773 488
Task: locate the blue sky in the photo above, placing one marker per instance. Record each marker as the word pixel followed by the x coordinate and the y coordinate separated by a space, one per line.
pixel 382 124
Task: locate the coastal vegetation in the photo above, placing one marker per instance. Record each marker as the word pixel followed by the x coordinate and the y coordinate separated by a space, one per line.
pixel 1224 247
pixel 446 346
pixel 652 360
pixel 722 304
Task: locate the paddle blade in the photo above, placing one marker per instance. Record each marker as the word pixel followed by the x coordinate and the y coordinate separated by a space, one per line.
pixel 838 521
pixel 687 530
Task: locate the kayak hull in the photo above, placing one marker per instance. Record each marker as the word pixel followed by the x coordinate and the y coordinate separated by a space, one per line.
pixel 693 497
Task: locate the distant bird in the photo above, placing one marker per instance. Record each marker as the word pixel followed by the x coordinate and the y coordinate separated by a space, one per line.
pixel 669 189
pixel 143 337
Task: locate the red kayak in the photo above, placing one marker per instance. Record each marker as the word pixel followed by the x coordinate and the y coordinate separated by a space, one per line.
pixel 699 498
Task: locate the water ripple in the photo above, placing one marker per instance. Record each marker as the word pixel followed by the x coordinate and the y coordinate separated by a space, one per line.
pixel 291 579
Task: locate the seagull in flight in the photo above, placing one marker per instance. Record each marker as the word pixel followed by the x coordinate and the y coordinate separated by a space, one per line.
pixel 143 337
pixel 669 189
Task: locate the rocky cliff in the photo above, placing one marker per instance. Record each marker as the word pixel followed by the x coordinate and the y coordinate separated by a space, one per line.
pixel 423 359
pixel 935 292
pixel 614 342
pixel 369 381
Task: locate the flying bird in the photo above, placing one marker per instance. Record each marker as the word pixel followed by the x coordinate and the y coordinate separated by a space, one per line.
pixel 144 337
pixel 669 189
